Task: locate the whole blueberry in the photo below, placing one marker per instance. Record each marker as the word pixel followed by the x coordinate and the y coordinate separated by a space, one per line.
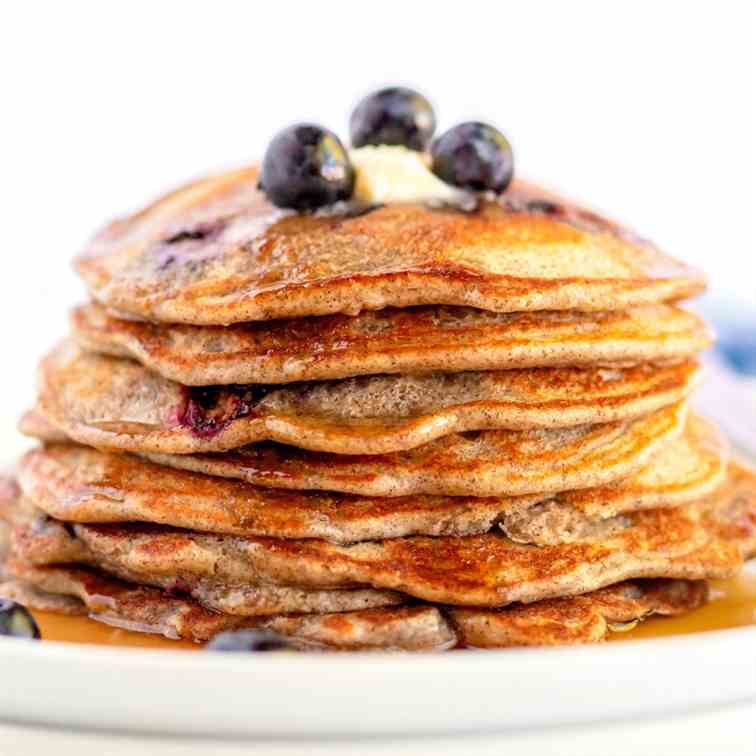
pixel 306 167
pixel 16 621
pixel 474 156
pixel 248 640
pixel 395 115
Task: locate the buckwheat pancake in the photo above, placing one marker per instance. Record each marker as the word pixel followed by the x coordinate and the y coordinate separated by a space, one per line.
pixel 78 484
pixel 47 541
pixel 35 425
pixel 217 252
pixel 115 403
pixel 32 597
pixel 581 619
pixel 416 340
pixel 43 541
pixel 709 539
pixel 688 468
pixel 143 609
pixel 40 541
pixel 478 463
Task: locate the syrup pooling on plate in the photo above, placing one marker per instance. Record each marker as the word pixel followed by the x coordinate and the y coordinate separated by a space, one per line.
pixel 732 605
pixel 60 627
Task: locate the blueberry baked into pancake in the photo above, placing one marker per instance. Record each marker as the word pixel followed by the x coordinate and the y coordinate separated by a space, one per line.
pixel 377 396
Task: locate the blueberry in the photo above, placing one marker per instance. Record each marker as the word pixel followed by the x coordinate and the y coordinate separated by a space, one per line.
pixel 306 167
pixel 248 640
pixel 395 115
pixel 473 156
pixel 16 620
pixel 211 409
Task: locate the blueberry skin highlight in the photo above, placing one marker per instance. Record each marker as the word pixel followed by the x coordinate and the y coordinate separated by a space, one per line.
pixel 306 167
pixel 16 621
pixel 393 116
pixel 474 156
pixel 248 640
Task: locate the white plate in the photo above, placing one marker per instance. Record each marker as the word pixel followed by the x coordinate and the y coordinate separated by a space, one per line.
pixel 377 694
pixel 318 695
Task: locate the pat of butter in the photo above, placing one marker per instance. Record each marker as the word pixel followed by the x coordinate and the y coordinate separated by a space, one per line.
pixel 395 174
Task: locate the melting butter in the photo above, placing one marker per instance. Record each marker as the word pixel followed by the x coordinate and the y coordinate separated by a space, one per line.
pixel 388 174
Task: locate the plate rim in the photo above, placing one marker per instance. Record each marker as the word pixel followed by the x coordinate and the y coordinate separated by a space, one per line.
pixel 150 692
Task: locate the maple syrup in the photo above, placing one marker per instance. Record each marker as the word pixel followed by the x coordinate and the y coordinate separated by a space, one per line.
pixel 59 627
pixel 732 604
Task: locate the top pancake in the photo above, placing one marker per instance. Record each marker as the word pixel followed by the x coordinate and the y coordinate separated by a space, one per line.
pixel 217 252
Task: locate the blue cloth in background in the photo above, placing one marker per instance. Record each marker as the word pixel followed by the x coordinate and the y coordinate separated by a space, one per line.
pixel 737 346
pixel 739 352
pixel 728 393
pixel 734 321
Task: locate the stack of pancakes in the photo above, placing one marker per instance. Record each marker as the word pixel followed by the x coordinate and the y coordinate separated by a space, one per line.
pixel 403 427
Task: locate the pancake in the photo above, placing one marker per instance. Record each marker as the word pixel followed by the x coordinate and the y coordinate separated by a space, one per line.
pixel 77 484
pixel 419 340
pixel 118 404
pixel 478 463
pixel 47 541
pixel 696 541
pixel 582 619
pixel 35 425
pixel 35 598
pixel 142 609
pixel 216 252
pixel 43 541
pixel 579 619
pixel 240 600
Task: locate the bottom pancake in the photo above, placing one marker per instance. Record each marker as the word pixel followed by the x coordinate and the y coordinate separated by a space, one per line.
pixel 420 627
pixel 42 540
